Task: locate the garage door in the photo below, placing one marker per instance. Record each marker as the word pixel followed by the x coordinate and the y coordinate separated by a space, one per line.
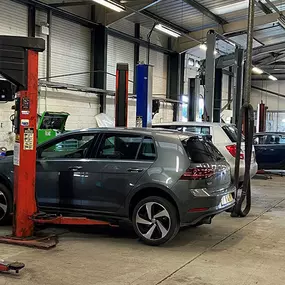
pixel 119 51
pixel 159 62
pixel 13 18
pixel 70 52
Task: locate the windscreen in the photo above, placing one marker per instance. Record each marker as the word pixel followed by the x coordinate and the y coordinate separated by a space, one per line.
pixel 201 150
pixel 232 133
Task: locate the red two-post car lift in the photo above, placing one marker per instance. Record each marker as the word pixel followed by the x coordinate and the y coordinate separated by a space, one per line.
pixel 19 65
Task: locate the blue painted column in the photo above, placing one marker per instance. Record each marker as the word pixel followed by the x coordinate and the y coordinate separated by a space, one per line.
pixel 144 95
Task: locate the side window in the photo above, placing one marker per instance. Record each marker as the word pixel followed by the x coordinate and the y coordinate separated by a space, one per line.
pixel 116 146
pixel 75 146
pixel 197 130
pixel 147 150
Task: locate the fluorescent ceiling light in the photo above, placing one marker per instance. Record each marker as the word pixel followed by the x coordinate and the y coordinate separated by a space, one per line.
pixel 241 5
pixel 203 47
pixel 111 5
pixel 271 77
pixel 168 31
pixel 257 70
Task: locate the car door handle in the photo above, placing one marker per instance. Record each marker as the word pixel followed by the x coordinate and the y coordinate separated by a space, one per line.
pixel 135 170
pixel 74 168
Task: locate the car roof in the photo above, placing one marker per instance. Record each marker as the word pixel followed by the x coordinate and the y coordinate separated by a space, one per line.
pixel 143 131
pixel 269 133
pixel 207 124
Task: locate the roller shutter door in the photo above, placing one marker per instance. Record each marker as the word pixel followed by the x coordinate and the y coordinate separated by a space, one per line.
pixel 13 18
pixel 159 62
pixel 119 51
pixel 70 52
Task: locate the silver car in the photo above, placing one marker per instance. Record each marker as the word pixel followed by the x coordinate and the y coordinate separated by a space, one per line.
pixel 159 180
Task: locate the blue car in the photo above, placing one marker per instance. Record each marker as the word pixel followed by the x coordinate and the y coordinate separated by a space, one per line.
pixel 270 150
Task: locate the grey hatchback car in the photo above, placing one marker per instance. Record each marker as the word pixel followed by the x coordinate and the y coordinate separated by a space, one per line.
pixel 159 180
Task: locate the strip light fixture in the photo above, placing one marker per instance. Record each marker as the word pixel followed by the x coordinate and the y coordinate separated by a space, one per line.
pixel 257 70
pixel 167 30
pixel 111 5
pixel 271 77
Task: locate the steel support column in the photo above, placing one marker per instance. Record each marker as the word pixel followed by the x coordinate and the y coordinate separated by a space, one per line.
pixel 173 83
pixel 238 84
pixel 218 95
pixel 230 82
pixel 210 76
pixel 48 68
pixel 99 62
pixel 31 21
pixel 136 55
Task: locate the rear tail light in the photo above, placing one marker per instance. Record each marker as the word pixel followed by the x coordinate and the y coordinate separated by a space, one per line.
pixel 232 149
pixel 197 173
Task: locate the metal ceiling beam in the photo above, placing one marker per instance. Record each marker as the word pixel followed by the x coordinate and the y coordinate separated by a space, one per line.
pixel 113 17
pixel 267 91
pixel 58 12
pixel 271 59
pixel 237 26
pixel 206 11
pixel 263 7
pixel 164 21
pixel 70 4
pixel 268 48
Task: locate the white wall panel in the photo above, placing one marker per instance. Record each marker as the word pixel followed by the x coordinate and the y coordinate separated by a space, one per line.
pixel 70 52
pixel 159 62
pixel 13 22
pixel 119 51
pixel 41 18
pixel 82 106
pixel 13 18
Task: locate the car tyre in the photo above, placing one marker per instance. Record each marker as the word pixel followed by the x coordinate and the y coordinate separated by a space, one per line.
pixel 6 203
pixel 155 220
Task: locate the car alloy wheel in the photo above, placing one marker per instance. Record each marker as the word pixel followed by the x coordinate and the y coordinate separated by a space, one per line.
pixel 153 221
pixel 3 205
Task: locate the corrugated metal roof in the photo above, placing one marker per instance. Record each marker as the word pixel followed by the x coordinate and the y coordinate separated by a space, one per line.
pixel 181 14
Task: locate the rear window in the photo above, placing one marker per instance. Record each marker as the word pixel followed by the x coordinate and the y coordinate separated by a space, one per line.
pixel 232 133
pixel 201 150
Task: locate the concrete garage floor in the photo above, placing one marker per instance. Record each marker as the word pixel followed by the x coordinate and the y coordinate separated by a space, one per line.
pixel 230 251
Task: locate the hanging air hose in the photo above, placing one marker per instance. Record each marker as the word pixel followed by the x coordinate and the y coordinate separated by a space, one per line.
pixel 245 195
pixel 247 115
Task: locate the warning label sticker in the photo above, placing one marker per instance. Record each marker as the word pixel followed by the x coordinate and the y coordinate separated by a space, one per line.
pixel 28 139
pixel 17 153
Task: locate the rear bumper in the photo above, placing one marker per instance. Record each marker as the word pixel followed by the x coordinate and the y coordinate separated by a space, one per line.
pixel 253 171
pixel 206 207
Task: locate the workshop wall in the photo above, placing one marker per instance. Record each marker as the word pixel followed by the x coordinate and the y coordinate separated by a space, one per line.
pixel 274 103
pixel 119 51
pixel 70 52
pixel 41 19
pixel 13 19
pixel 159 62
pixel 275 120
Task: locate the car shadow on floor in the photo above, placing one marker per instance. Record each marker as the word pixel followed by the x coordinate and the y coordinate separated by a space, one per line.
pixel 200 237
